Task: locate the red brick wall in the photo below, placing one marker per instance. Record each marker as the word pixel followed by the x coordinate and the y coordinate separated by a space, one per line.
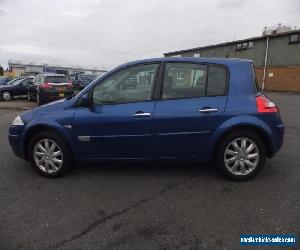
pixel 284 78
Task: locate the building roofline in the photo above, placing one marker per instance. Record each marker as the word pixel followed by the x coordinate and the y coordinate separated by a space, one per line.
pixel 23 64
pixel 233 42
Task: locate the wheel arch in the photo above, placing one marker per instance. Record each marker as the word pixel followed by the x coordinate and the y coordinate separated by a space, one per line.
pixel 33 130
pixel 262 133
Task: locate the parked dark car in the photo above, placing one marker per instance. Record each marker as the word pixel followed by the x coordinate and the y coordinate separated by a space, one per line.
pixel 205 109
pixel 49 87
pixel 5 79
pixel 80 81
pixel 14 88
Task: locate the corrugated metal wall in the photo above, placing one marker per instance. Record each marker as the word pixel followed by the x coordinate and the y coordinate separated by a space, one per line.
pixel 281 52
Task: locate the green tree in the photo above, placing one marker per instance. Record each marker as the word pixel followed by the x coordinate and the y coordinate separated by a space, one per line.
pixel 1 70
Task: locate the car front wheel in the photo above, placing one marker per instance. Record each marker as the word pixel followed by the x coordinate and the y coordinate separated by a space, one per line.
pixel 241 155
pixel 49 154
pixel 6 96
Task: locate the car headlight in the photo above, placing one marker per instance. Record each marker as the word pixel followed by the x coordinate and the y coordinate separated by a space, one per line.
pixel 17 121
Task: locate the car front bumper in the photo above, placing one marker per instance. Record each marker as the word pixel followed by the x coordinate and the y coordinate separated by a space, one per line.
pixel 15 138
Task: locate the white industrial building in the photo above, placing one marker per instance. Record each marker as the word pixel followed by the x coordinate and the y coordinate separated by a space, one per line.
pixel 21 68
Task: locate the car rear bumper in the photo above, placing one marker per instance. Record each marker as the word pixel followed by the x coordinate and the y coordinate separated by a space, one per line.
pixel 52 96
pixel 279 138
pixel 274 127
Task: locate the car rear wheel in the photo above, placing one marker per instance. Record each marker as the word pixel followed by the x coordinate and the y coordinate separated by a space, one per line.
pixel 6 96
pixel 49 154
pixel 39 100
pixel 241 154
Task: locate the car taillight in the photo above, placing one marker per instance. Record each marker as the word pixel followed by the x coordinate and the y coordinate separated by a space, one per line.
pixel 45 85
pixel 264 105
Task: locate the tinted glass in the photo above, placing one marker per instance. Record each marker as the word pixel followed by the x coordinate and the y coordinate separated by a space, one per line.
pixel 184 80
pixel 56 79
pixel 216 82
pixel 27 81
pixel 16 82
pixel 88 78
pixel 129 85
pixel 12 81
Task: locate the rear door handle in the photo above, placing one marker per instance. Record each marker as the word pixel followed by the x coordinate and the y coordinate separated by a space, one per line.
pixel 207 110
pixel 141 114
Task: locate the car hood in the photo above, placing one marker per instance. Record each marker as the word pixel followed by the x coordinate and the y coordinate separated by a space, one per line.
pixel 3 86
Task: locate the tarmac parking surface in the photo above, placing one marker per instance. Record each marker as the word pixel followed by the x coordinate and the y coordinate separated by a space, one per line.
pixel 149 206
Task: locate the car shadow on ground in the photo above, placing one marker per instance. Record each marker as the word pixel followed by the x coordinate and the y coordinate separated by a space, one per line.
pixel 191 169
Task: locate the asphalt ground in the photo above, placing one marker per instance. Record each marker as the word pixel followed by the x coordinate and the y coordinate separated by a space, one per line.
pixel 149 206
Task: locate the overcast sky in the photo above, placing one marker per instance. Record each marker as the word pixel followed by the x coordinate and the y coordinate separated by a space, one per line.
pixel 106 33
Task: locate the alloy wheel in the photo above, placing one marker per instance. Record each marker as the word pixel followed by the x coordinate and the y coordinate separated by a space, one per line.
pixel 6 96
pixel 241 156
pixel 48 156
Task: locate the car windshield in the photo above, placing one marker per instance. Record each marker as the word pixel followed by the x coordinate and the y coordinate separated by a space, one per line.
pixel 87 77
pixel 14 81
pixel 57 79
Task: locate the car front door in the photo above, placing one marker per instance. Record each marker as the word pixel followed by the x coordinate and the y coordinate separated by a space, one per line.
pixel 192 104
pixel 19 88
pixel 118 123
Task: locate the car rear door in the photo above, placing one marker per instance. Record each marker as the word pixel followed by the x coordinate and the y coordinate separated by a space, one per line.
pixel 191 107
pixel 118 123
pixel 25 85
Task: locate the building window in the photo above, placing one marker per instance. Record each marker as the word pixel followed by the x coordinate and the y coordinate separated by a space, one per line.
pixel 295 38
pixel 244 45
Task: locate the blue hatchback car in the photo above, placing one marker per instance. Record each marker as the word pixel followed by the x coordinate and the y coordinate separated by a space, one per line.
pixel 205 109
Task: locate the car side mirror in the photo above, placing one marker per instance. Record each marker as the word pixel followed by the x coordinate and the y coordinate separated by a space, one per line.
pixel 85 100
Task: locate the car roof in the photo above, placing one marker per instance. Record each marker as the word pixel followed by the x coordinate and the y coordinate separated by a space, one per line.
pixel 214 60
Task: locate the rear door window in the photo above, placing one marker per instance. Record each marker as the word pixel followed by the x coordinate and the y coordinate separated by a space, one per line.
pixel 56 79
pixel 187 80
pixel 216 82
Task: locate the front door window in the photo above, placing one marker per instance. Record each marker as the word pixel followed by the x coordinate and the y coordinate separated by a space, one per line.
pixel 134 84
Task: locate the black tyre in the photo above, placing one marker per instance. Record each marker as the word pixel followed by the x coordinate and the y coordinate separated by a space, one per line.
pixel 39 100
pixel 29 97
pixel 49 154
pixel 241 154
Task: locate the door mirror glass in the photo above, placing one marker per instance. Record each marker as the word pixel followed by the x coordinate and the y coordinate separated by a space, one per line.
pixel 134 84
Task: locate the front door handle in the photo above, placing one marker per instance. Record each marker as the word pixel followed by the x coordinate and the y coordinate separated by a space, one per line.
pixel 207 110
pixel 141 114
